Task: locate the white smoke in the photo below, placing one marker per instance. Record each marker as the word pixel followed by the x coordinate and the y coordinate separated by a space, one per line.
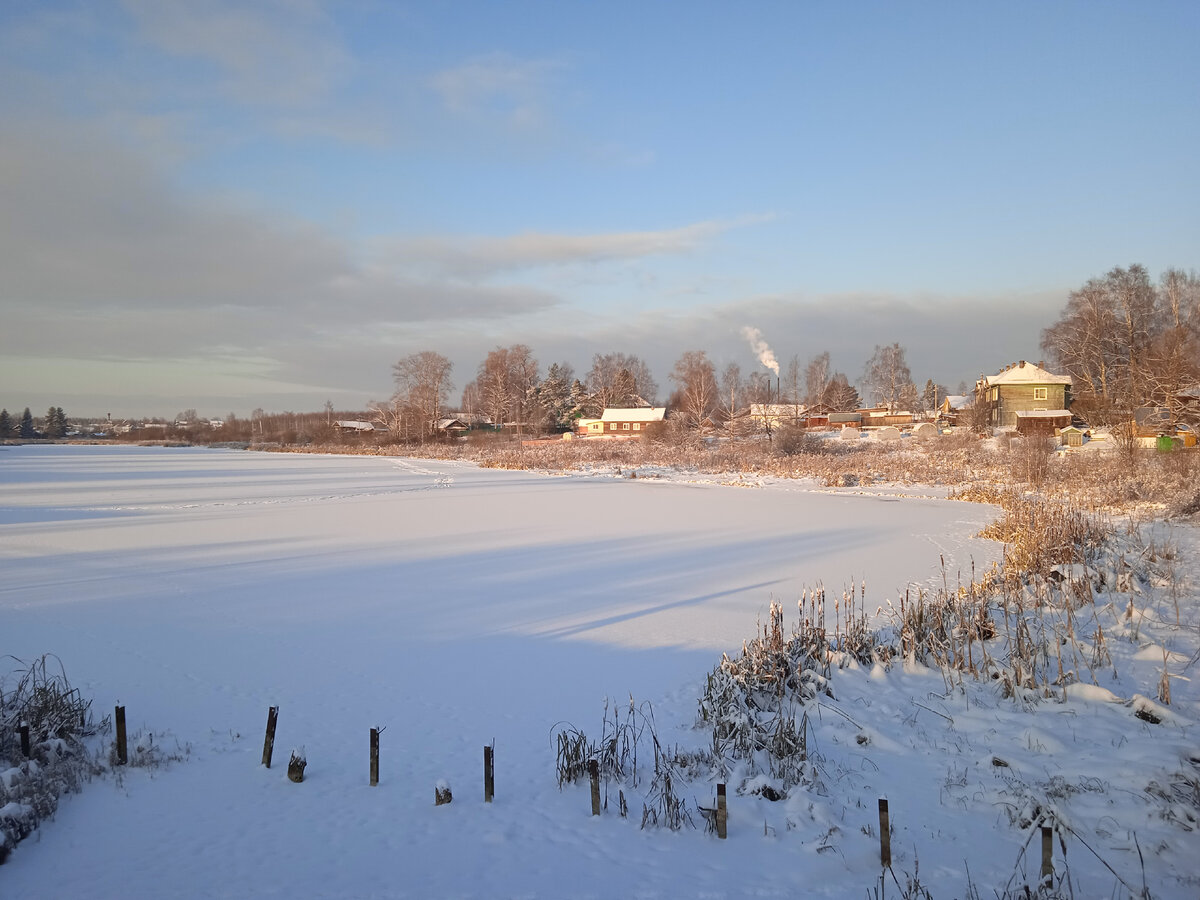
pixel 759 346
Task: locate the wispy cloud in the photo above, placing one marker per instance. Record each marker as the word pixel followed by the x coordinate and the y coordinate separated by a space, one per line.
pixel 499 87
pixel 276 51
pixel 478 257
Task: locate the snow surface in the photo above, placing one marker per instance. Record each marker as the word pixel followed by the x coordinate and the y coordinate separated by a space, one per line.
pixel 453 606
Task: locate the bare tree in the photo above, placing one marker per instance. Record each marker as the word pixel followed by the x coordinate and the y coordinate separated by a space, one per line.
pixel 886 375
pixel 1135 298
pixel 620 379
pixel 472 401
pixel 816 378
pixel 758 387
pixel 840 394
pixel 792 380
pixel 393 415
pixel 505 379
pixel 731 394
pixel 1103 339
pixel 695 381
pixel 1174 359
pixel 423 385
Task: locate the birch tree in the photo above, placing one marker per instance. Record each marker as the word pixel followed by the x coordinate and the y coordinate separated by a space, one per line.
pixel 695 381
pixel 423 386
pixel 887 375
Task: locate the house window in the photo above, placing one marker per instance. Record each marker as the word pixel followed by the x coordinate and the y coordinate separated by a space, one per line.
pixel 995 394
pixel 625 426
pixel 612 426
pixel 637 426
pixel 1040 393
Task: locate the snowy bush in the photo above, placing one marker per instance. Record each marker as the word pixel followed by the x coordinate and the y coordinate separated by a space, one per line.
pixel 39 696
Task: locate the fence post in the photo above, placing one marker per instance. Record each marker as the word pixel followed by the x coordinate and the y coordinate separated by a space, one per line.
pixel 269 741
pixel 594 774
pixel 1047 854
pixel 374 756
pixel 122 743
pixel 489 774
pixel 885 835
pixel 722 812
pixel 25 748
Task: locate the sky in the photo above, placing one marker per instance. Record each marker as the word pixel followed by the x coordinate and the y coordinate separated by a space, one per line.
pixel 228 206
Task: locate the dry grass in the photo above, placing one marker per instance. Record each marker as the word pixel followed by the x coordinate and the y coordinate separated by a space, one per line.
pixel 37 695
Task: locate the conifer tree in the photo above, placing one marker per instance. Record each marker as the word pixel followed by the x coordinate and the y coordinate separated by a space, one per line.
pixel 27 430
pixel 6 424
pixel 56 425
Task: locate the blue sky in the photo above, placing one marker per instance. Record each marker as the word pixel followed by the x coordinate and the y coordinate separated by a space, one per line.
pixel 225 206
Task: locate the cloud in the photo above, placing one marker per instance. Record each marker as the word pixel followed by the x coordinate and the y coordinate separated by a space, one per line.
pixel 273 52
pixel 498 87
pixel 85 225
pixel 476 257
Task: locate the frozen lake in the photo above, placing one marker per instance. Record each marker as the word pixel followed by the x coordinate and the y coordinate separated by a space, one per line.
pixel 452 605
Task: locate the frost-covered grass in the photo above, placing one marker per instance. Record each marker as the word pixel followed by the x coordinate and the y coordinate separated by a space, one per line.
pixel 461 607
pixel 1098 478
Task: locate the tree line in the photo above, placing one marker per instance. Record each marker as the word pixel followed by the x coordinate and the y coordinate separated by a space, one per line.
pixel 53 425
pixel 1127 342
pixel 510 390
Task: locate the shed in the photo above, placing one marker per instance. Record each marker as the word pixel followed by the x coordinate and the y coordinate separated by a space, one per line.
pixel 1071 436
pixel 1042 421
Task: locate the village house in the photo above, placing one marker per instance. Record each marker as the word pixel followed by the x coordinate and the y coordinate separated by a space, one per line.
pixel 1021 387
pixel 357 425
pixel 627 422
pixel 768 416
pixel 955 409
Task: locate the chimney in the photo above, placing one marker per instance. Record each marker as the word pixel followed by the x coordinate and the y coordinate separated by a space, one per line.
pixel 1022 364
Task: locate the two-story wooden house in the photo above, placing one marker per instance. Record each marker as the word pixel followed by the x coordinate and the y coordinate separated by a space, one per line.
pixel 1021 388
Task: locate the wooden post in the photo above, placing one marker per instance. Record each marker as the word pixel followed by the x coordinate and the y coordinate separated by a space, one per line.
pixel 374 756
pixel 25 748
pixel 594 774
pixel 269 742
pixel 122 743
pixel 722 812
pixel 489 775
pixel 1047 854
pixel 885 836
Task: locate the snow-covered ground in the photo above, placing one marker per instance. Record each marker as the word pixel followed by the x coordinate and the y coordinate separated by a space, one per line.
pixel 455 606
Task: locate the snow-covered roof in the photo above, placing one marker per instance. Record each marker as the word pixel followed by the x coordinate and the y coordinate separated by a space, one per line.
pixel 642 414
pixel 1041 413
pixel 1025 373
pixel 958 401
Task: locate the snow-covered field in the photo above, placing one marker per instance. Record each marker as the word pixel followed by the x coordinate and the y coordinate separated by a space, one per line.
pixel 453 606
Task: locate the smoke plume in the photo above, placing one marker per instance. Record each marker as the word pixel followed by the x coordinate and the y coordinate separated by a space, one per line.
pixel 759 346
